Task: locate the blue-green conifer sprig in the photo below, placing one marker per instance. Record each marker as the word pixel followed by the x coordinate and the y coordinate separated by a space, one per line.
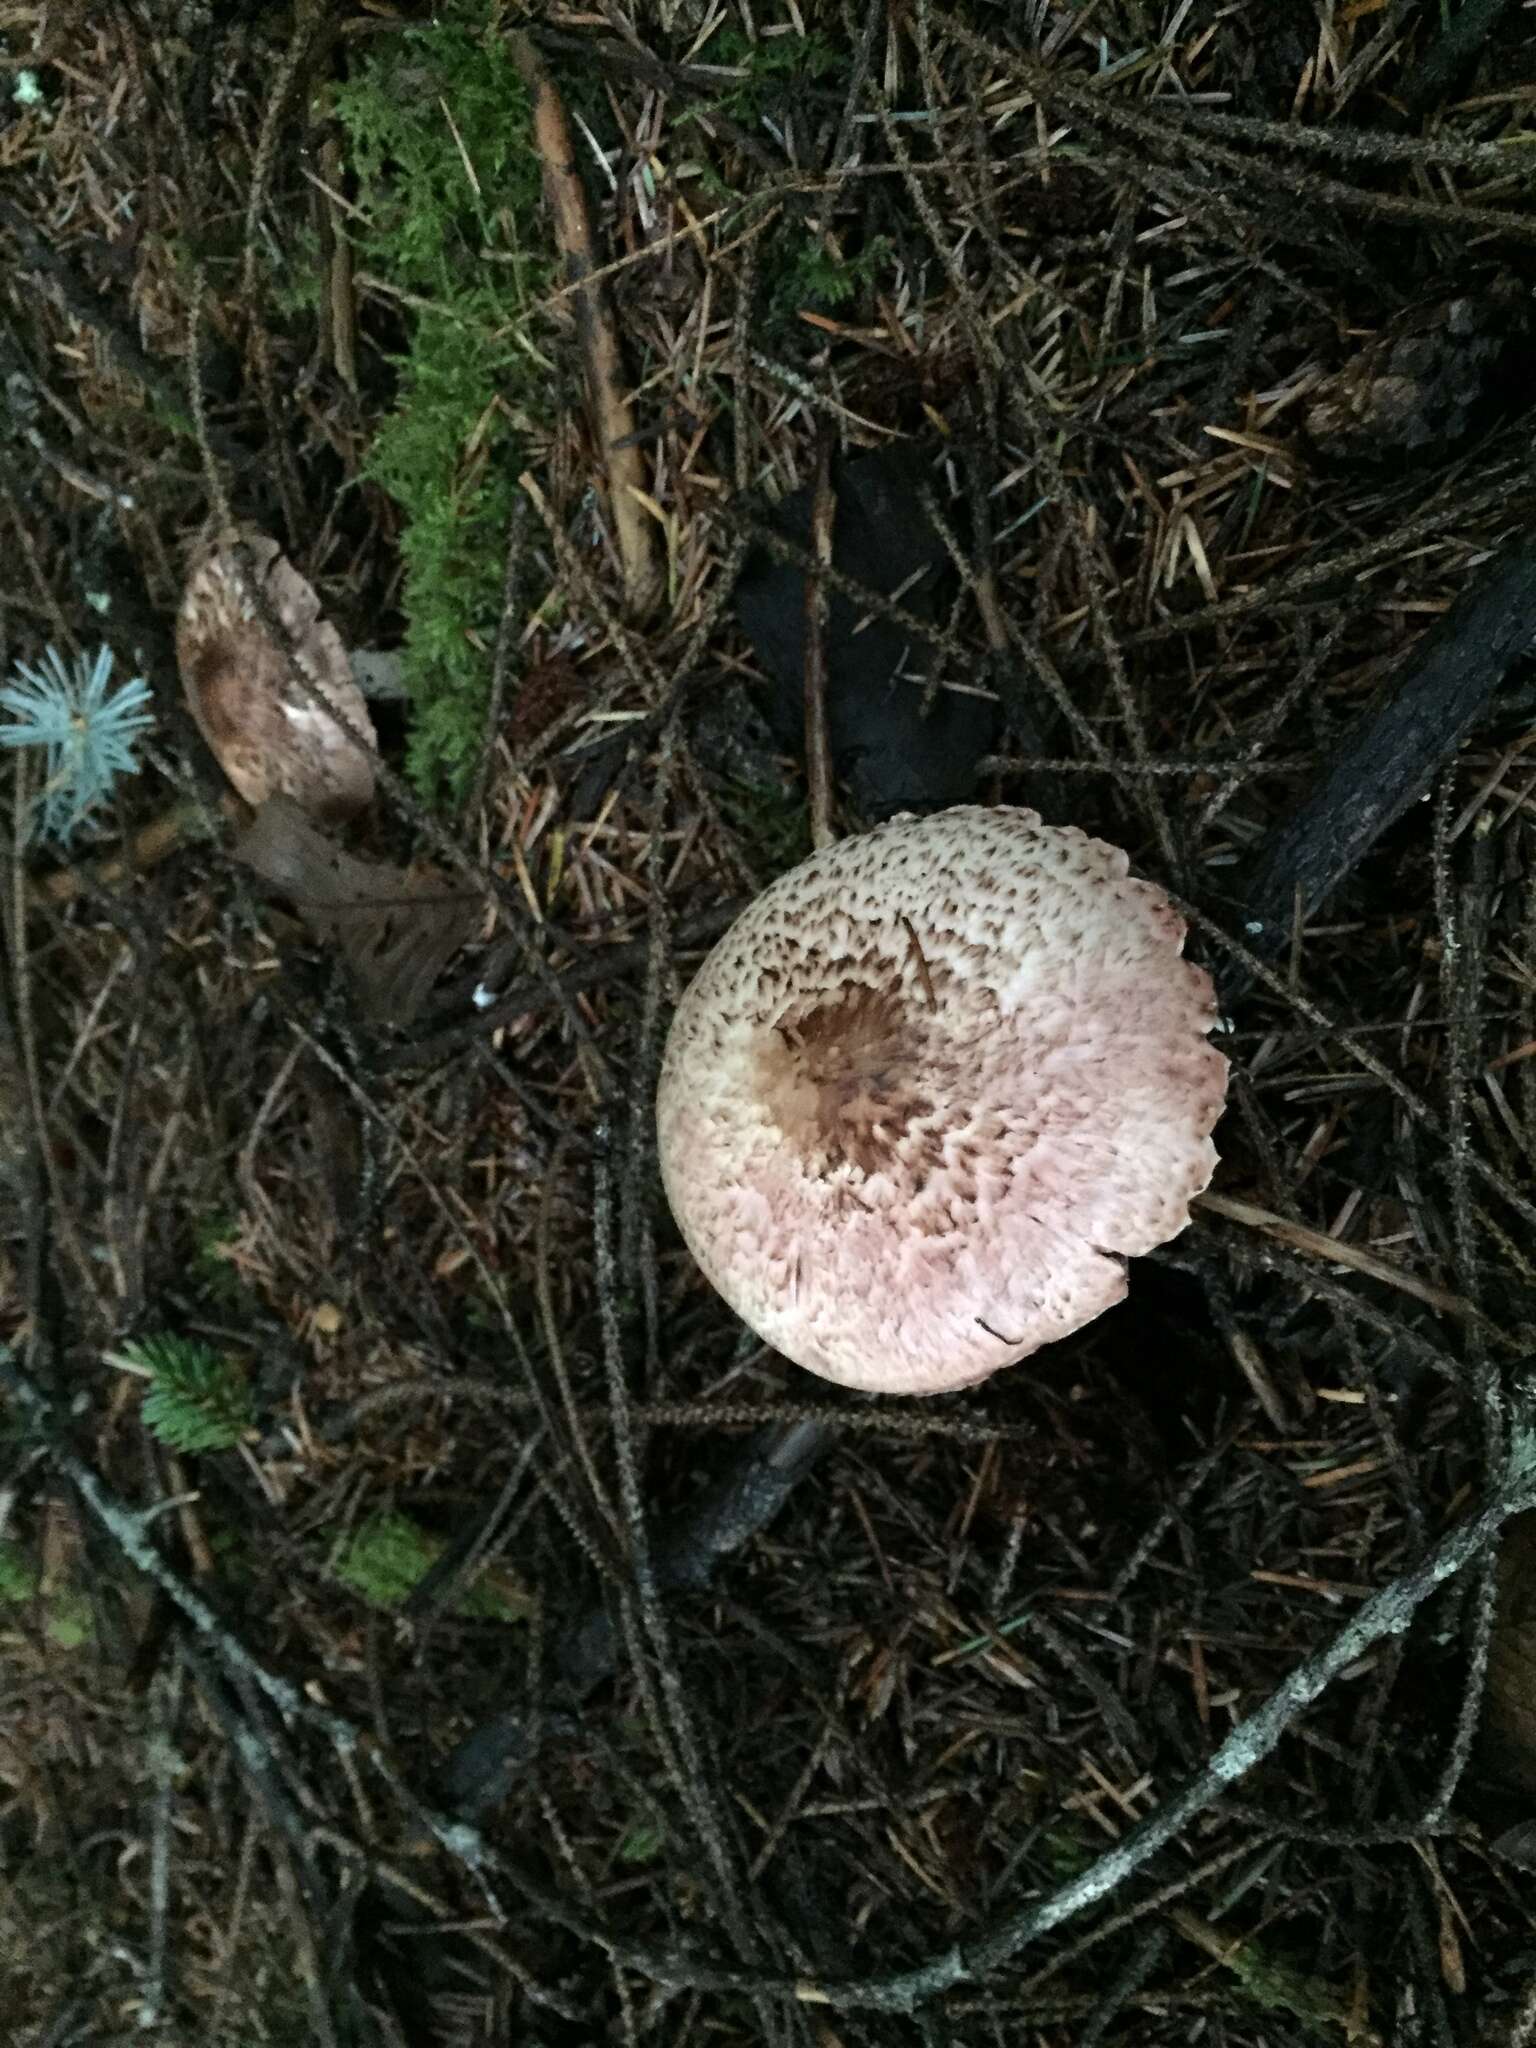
pixel 88 729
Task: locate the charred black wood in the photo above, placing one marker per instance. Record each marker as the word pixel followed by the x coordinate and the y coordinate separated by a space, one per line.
pixel 1391 755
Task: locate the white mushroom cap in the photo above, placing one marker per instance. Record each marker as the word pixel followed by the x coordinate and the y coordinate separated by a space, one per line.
pixel 929 1092
pixel 266 732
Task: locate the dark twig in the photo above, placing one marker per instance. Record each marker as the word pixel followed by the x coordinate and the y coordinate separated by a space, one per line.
pixel 1311 197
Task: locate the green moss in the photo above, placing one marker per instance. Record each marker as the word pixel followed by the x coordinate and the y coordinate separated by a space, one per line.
pixel 448 184
pixel 642 1843
pixel 18 1576
pixel 387 1557
pixel 800 274
pixel 211 1261
pixel 773 824
pixel 774 69
pixel 1276 1986
pixel 64 1612
pixel 69 1621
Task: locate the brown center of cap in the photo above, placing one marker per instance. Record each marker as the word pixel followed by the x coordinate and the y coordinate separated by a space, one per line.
pixel 836 1077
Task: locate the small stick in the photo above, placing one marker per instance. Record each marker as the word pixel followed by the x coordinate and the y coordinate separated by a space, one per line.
pixel 818 747
pixel 613 420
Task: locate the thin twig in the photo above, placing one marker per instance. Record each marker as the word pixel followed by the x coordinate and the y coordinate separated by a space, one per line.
pixel 818 745
pixel 612 415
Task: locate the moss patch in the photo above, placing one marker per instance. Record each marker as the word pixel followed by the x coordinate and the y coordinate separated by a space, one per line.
pixel 448 184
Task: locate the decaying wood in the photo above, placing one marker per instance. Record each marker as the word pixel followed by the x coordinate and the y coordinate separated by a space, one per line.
pixel 612 417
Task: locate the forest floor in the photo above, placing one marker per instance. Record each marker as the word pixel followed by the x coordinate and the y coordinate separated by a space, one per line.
pixel 428 1615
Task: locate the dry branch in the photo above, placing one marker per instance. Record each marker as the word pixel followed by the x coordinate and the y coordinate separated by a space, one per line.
pixel 612 417
pixel 1337 1251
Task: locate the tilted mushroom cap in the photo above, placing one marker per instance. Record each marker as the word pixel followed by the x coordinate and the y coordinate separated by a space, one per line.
pixel 931 1089
pixel 266 732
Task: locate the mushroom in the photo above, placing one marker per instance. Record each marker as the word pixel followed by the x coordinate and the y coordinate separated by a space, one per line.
pixel 266 732
pixel 931 1090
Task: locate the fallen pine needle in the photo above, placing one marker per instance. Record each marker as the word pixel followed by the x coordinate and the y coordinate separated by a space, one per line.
pixel 1317 1245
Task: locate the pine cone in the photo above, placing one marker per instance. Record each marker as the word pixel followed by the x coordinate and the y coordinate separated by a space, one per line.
pixel 1434 377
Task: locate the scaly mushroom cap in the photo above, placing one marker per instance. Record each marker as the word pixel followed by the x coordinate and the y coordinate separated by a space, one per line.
pixel 268 735
pixel 929 1092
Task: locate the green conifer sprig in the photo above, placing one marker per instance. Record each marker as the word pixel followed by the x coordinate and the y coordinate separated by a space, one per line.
pixel 198 1400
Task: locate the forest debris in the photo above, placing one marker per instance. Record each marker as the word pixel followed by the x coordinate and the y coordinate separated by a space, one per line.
pixel 1394 750
pixel 1432 378
pixel 395 928
pixel 548 690
pixel 1461 41
pixel 245 682
pixel 737 1505
pixel 178 826
pixel 1336 1250
pixel 613 418
pixel 1508 1735
pixel 895 750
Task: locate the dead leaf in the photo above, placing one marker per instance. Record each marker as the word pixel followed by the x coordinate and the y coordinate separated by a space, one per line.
pixel 395 928
pixel 264 729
